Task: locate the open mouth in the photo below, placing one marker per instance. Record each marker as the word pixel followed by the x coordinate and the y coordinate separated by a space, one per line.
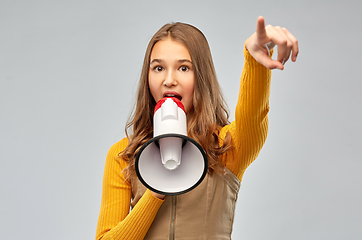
pixel 173 95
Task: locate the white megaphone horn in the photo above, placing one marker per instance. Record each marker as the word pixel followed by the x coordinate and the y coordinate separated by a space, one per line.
pixel 171 163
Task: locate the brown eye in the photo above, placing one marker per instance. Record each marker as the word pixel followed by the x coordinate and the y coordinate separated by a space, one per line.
pixel 158 69
pixel 184 68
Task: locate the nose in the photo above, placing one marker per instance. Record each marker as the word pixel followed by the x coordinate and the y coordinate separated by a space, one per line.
pixel 170 79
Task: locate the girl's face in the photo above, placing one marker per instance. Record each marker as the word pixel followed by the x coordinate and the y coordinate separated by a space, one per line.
pixel 171 72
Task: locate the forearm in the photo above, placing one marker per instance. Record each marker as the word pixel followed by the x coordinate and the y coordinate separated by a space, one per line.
pixel 251 120
pixel 115 221
pixel 136 223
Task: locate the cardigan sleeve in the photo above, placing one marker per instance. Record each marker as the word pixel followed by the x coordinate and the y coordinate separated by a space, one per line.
pixel 250 127
pixel 116 221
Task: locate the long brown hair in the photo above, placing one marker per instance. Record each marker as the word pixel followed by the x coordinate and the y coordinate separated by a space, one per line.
pixel 209 112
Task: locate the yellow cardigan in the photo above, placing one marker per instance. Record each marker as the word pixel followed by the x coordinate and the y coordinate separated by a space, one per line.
pixel 249 132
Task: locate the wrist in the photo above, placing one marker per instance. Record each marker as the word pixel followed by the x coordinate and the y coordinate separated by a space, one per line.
pixel 157 195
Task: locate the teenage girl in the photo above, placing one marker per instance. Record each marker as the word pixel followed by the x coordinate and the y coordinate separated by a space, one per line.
pixel 178 62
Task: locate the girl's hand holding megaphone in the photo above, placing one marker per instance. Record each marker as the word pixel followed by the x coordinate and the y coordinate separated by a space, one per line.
pixel 157 195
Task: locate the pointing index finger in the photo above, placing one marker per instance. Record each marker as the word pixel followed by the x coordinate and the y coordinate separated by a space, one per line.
pixel 260 28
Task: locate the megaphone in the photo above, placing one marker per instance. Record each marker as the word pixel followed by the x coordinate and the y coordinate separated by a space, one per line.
pixel 171 163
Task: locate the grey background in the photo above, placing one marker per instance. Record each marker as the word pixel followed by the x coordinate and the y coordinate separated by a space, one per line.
pixel 68 72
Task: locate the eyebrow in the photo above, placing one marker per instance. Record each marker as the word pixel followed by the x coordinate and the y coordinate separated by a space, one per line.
pixel 160 61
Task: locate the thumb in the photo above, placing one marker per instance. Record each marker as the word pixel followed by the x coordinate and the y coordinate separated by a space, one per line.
pixel 268 62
